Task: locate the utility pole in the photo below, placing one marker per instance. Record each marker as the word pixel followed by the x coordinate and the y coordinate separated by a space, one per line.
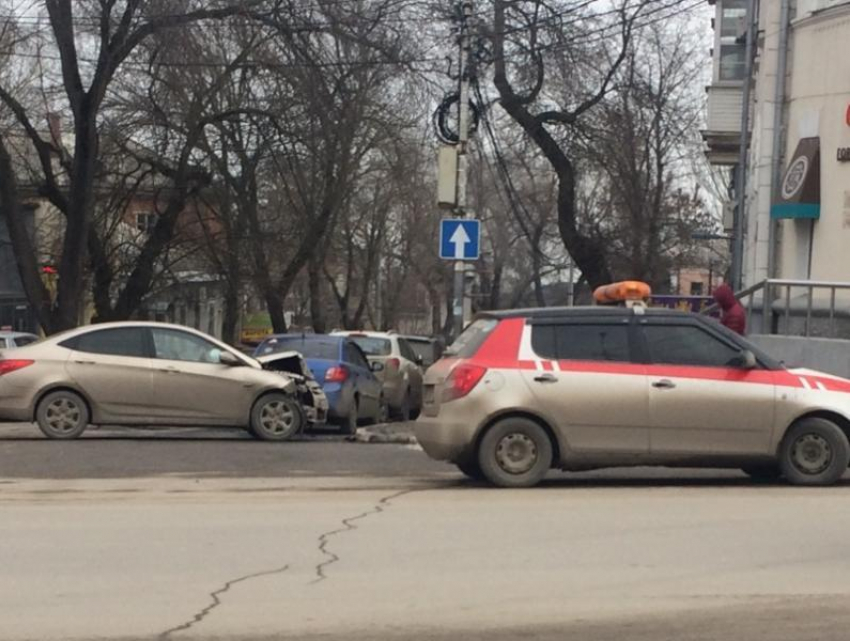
pixel 462 303
pixel 739 222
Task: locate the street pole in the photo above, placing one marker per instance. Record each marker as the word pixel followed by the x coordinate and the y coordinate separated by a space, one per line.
pixel 461 303
pixel 741 182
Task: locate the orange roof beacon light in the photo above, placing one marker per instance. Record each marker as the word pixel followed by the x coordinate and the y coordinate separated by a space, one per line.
pixel 630 293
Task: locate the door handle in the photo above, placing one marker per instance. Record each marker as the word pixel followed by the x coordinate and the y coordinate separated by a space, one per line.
pixel 84 362
pixel 169 370
pixel 664 384
pixel 545 378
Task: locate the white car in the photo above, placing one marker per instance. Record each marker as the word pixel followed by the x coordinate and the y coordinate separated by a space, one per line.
pixel 10 340
pixel 521 392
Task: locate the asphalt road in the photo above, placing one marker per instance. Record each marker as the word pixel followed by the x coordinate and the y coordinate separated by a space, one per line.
pixel 125 453
pixel 201 534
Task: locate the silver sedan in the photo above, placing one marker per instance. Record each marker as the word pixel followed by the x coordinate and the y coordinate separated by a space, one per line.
pixel 145 374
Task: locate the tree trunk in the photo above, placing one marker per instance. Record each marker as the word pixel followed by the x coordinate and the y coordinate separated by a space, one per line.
pixel 317 307
pixel 24 251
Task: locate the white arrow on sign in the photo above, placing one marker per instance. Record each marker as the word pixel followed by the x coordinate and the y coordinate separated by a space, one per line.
pixel 460 239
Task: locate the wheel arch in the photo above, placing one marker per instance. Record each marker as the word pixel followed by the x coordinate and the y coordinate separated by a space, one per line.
pixel 64 387
pixel 842 421
pixel 557 447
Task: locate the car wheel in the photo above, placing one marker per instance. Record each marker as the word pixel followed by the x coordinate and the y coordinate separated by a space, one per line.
pixel 763 471
pixel 348 424
pixel 62 415
pixel 470 467
pixel 276 417
pixel 515 452
pixel 814 452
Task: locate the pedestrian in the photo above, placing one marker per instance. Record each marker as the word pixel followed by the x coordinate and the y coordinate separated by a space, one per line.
pixel 733 315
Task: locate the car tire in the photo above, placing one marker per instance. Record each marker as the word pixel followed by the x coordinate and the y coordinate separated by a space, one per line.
pixel 276 417
pixel 814 452
pixel 515 452
pixel 62 415
pixel 348 424
pixel 764 472
pixel 470 468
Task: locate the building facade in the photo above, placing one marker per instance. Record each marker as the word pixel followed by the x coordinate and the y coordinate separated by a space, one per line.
pixel 797 206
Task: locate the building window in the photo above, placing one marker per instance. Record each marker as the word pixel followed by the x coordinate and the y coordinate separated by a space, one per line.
pixel 145 221
pixel 696 289
pixel 733 30
pixel 733 19
pixel 732 62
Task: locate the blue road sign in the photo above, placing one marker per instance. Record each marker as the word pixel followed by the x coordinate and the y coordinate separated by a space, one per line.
pixel 460 239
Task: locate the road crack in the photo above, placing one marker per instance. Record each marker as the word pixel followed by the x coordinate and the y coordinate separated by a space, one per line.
pixel 349 526
pixel 216 601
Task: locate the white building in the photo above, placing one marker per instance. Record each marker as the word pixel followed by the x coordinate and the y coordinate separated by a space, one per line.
pixel 809 205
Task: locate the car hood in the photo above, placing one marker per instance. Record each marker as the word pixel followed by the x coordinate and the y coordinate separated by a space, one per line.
pixel 813 378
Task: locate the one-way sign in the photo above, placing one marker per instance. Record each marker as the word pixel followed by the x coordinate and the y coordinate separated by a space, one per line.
pixel 460 239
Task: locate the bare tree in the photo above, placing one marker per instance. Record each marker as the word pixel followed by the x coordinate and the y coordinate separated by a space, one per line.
pixel 112 30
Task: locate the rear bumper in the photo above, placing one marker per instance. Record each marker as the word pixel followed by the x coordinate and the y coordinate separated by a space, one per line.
pixel 394 391
pixel 445 440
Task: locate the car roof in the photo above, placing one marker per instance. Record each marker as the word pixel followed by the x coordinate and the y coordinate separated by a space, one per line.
pixel 304 338
pixel 595 311
pixel 10 334
pixel 357 333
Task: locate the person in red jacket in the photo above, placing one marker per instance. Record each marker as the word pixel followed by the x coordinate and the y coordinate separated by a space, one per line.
pixel 734 317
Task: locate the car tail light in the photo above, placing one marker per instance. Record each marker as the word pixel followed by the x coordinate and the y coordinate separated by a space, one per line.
pixel 8 366
pixel 462 380
pixel 336 374
pixel 393 363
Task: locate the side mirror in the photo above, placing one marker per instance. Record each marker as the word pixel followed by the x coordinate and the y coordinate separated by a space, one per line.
pixel 376 366
pixel 226 358
pixel 746 360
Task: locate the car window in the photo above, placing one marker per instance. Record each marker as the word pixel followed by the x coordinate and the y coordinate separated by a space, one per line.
pixel 472 338
pixel 174 345
pixel 373 346
pixel 3 343
pixel 119 341
pixel 687 345
pixel 20 341
pixel 355 356
pixel 582 342
pixel 327 350
pixel 425 349
pixel 406 351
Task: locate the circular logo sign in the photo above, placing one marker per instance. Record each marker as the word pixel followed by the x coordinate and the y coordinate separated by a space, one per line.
pixel 795 177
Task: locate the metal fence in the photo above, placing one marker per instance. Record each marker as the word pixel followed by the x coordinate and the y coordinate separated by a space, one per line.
pixel 798 308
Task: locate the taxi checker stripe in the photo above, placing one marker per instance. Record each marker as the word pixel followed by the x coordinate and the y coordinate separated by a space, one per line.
pixel 509 347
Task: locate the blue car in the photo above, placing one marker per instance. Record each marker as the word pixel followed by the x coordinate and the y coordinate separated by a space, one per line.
pixel 339 365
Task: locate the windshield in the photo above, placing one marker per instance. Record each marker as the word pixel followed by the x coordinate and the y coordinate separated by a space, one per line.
pixel 373 346
pixel 309 347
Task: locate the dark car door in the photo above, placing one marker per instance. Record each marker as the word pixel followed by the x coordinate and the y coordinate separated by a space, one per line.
pixel 366 385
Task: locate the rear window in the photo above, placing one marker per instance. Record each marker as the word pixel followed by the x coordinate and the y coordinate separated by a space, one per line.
pixel 373 346
pixel 309 348
pixel 472 338
pixel 427 350
pixel 20 341
pixel 581 342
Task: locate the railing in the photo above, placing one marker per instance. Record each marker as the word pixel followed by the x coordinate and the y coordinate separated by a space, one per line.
pixel 818 301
